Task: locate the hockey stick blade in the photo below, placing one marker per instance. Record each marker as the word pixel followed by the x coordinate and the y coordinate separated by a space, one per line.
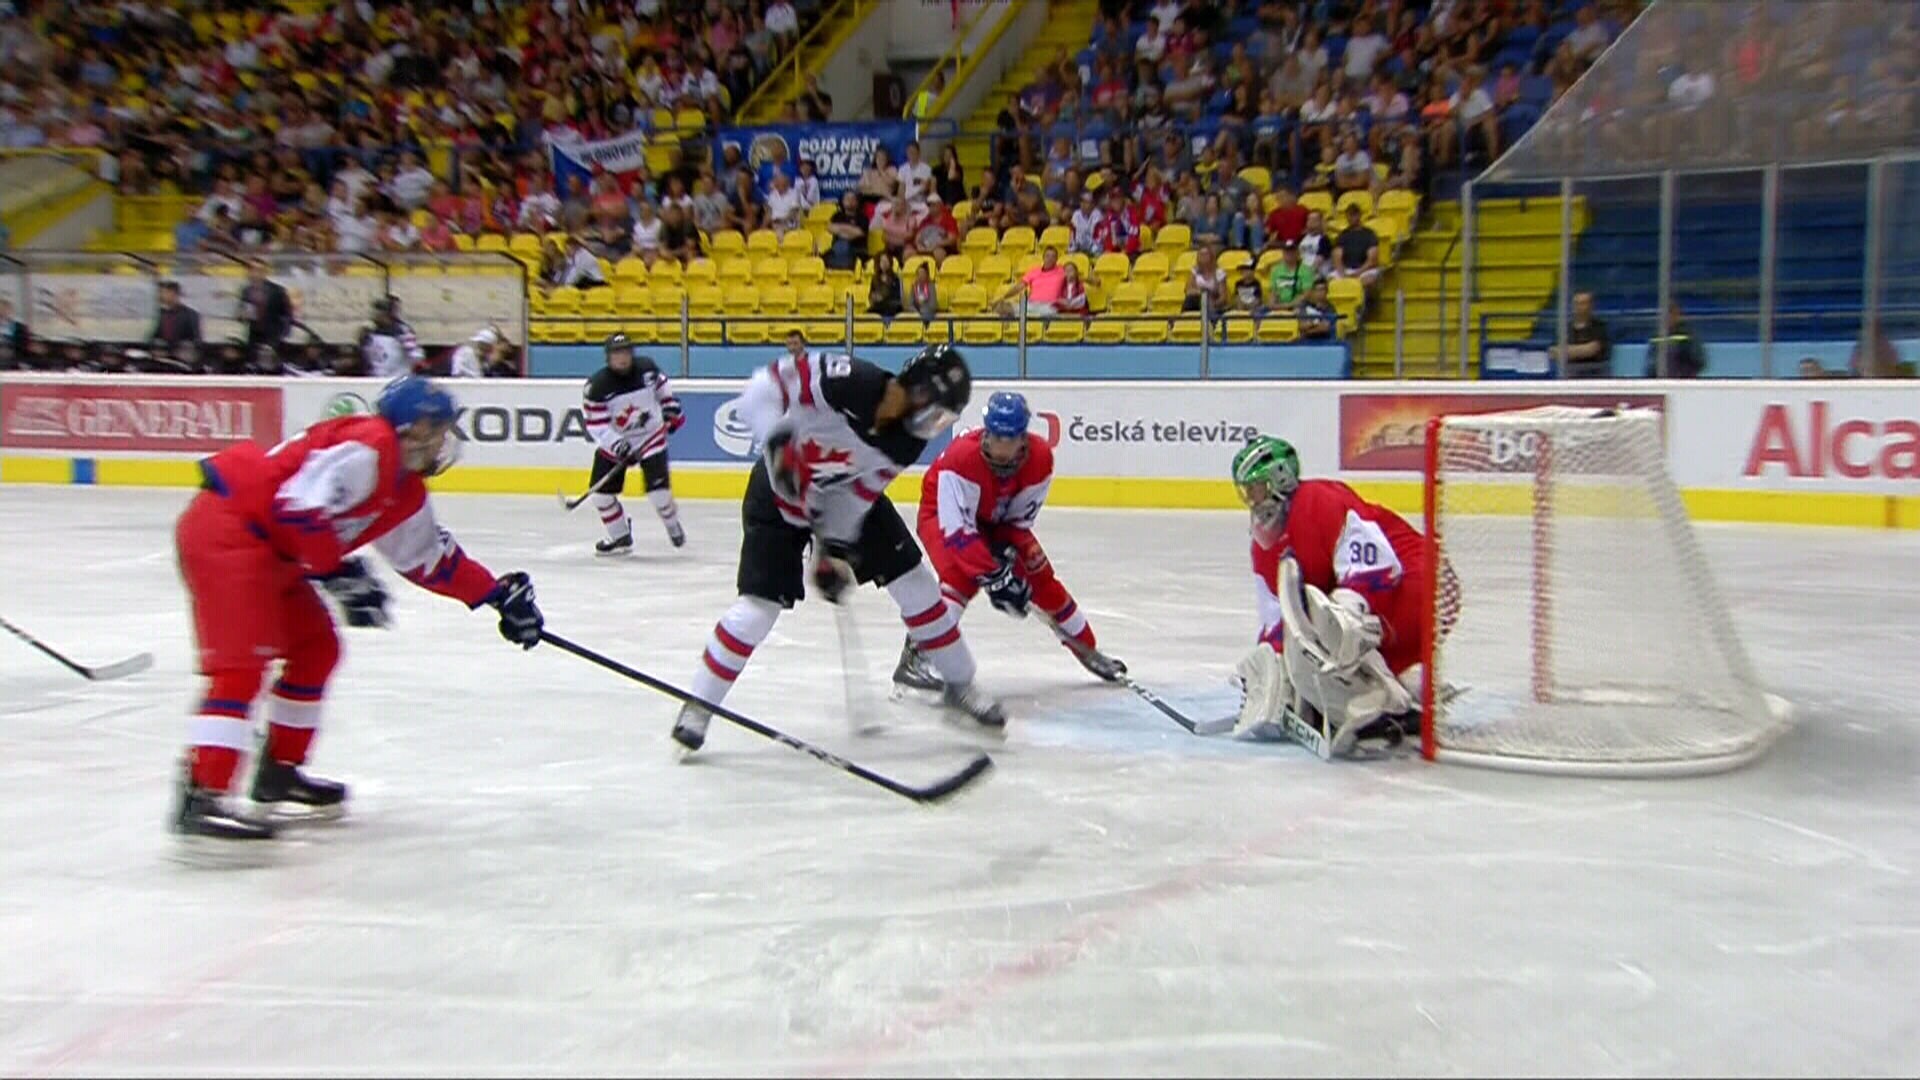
pixel 572 504
pixel 119 669
pixel 1074 646
pixel 930 793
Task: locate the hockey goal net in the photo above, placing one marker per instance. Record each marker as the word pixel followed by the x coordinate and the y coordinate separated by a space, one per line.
pixel 1576 627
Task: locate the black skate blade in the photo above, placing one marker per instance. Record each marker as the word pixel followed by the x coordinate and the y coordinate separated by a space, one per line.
pixel 198 852
pixel 294 815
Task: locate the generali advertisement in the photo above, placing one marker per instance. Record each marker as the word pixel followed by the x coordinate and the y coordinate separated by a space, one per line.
pixel 1817 436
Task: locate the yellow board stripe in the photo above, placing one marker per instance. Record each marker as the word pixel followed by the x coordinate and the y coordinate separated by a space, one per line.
pixel 1850 509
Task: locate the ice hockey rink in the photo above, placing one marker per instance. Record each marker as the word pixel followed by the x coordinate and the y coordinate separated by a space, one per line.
pixel 529 883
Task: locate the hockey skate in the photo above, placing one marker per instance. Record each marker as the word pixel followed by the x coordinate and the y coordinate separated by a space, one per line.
pixel 913 672
pixel 291 795
pixel 967 707
pixel 611 546
pixel 676 534
pixel 690 728
pixel 212 832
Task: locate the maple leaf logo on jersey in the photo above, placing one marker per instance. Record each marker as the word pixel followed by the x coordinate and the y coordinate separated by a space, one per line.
pixel 824 466
pixel 630 417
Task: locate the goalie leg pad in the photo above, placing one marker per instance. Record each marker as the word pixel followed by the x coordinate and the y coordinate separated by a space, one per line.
pixel 1332 657
pixel 1267 694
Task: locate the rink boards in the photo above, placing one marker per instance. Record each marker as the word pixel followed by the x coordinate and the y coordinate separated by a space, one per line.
pixel 1825 453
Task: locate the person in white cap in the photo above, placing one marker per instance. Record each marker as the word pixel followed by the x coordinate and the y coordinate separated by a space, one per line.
pixel 473 357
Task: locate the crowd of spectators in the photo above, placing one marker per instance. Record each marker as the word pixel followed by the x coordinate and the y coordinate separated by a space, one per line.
pixel 355 126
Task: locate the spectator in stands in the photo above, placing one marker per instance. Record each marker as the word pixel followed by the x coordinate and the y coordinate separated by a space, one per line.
pixel 1206 283
pixel 1246 291
pixel 1089 226
pixel 1356 251
pixel 808 184
pixel 785 210
pixel 988 204
pixel 849 231
pixel 922 297
pixel 1073 293
pixel 743 204
pixel 1590 36
pixel 678 237
pixel 1211 225
pixel 1475 122
pixel 1039 289
pixel 1315 249
pixel 709 206
pixel 783 22
pixel 1249 231
pixel 1365 46
pixel 883 292
pixel 916 177
pixel 1318 319
pixel 1686 353
pixel 1810 369
pixel 265 310
pixel 610 240
pixel 1878 358
pixel 176 327
pixel 646 234
pixel 877 181
pixel 580 268
pixel 1287 221
pixel 1353 169
pixel 1589 350
pixel 936 233
pixel 949 177
pixel 1121 225
pixel 1289 280
pixel 1388 112
pixel 895 220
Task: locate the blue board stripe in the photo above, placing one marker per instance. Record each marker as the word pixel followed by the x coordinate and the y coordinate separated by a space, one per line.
pixel 83 470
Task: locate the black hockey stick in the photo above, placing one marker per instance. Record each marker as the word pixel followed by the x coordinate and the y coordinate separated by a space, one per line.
pixel 570 505
pixel 932 793
pixel 132 664
pixel 1194 727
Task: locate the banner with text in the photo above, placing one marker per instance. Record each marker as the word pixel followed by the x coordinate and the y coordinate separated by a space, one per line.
pixel 177 417
pixel 1387 432
pixel 839 152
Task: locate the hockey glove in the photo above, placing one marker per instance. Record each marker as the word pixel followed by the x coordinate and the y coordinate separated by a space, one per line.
pixel 520 618
pixel 784 470
pixel 832 569
pixel 674 415
pixel 1008 591
pixel 360 595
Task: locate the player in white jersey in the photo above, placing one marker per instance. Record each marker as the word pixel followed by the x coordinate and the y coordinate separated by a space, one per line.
pixel 389 346
pixel 630 411
pixel 833 432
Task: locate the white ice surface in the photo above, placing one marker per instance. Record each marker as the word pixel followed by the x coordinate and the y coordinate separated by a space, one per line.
pixel 529 883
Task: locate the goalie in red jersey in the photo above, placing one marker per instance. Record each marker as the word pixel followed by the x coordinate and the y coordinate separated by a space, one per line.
pixel 270 530
pixel 978 503
pixel 1341 584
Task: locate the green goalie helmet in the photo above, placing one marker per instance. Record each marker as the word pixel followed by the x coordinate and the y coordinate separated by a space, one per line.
pixel 1266 472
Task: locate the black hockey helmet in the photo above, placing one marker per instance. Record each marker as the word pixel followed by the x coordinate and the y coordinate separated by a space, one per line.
pixel 938 386
pixel 619 342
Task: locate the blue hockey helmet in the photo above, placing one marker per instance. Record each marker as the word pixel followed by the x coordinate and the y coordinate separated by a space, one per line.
pixel 1004 423
pixel 423 415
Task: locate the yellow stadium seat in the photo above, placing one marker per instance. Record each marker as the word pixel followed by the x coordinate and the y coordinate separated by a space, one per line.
pixel 688 121
pixel 1017 241
pixel 461 242
pixel 955 271
pixel 797 243
pixel 1186 330
pixel 706 300
pixel 740 300
pixel 639 331
pixel 1079 261
pixel 781 300
pixel 868 330
pixel 566 332
pixel 1058 236
pixel 1257 176
pixel 821 332
pixel 1278 329
pixel 905 330
pixel 1354 198
pixel 750 331
pixel 736 270
pixel 993 271
pixel 962 211
pixel 1265 263
pixel 1150 268
pixel 490 242
pixel 763 242
pixel 1183 265
pixel 667 299
pixel 1232 261
pixel 1172 239
pixel 806 270
pixel 708 331
pixel 1237 329
pixel 822 212
pixel 727 242
pixel 1129 298
pixel 980 241
pixel 1167 298
pixel 1106 331
pixel 818 298
pixel 1347 295
pixel 1399 200
pixel 524 244
pixel 1146 331
pixel 1026 263
pixel 1317 200
pixel 1064 331
pixel 563 301
pixel 700 272
pixel 967 299
pixel 772 269
pixel 1112 268
pixel 980 331
pixel 629 271
pixel 596 303
pixel 911 266
pixel 664 272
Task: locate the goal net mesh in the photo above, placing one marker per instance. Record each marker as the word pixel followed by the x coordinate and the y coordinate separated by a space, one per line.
pixel 1578 627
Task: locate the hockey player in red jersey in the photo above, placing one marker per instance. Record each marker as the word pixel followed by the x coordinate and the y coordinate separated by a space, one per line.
pixel 978 503
pixel 268 527
pixel 1340 583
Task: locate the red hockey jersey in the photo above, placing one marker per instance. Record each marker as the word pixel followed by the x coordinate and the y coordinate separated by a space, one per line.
pixel 1340 540
pixel 336 487
pixel 969 501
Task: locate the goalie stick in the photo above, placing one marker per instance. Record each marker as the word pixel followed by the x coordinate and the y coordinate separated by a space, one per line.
pixel 131 665
pixel 930 793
